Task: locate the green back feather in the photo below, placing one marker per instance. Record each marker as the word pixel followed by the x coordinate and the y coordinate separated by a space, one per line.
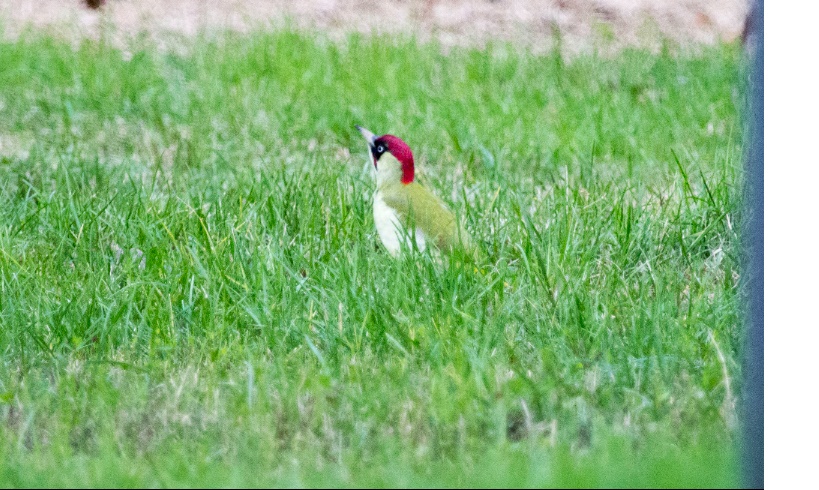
pixel 415 204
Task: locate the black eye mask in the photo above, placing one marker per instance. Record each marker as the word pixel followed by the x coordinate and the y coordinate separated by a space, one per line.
pixel 378 149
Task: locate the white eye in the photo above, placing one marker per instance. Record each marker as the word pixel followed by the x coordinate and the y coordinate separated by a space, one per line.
pixel 380 149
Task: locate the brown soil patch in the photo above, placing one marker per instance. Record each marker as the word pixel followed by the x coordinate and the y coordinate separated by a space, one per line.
pixel 583 24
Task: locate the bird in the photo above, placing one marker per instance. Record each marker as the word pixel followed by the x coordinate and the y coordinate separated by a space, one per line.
pixel 406 212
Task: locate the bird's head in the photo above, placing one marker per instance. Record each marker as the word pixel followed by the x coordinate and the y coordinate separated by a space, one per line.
pixel 391 156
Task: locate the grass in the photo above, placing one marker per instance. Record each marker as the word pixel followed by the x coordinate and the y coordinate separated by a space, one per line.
pixel 191 290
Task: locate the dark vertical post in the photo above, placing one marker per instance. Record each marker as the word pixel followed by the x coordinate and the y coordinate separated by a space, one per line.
pixel 753 406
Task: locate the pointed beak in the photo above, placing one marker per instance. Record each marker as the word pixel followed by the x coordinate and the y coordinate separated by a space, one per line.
pixel 367 134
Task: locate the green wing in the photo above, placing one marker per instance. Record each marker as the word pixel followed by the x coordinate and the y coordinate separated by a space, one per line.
pixel 414 203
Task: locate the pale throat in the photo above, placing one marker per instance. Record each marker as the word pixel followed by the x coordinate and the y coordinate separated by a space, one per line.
pixel 388 172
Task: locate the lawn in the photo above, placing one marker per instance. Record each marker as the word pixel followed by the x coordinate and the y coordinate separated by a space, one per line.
pixel 192 290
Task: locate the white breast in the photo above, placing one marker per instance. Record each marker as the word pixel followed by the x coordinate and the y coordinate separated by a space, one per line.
pixel 390 230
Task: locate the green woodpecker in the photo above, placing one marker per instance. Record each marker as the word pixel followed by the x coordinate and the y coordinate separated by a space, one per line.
pixel 399 201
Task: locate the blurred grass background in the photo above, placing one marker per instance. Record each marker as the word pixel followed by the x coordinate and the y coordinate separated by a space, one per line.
pixel 191 290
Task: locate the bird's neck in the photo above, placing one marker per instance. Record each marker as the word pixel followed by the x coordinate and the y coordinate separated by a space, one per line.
pixel 391 171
